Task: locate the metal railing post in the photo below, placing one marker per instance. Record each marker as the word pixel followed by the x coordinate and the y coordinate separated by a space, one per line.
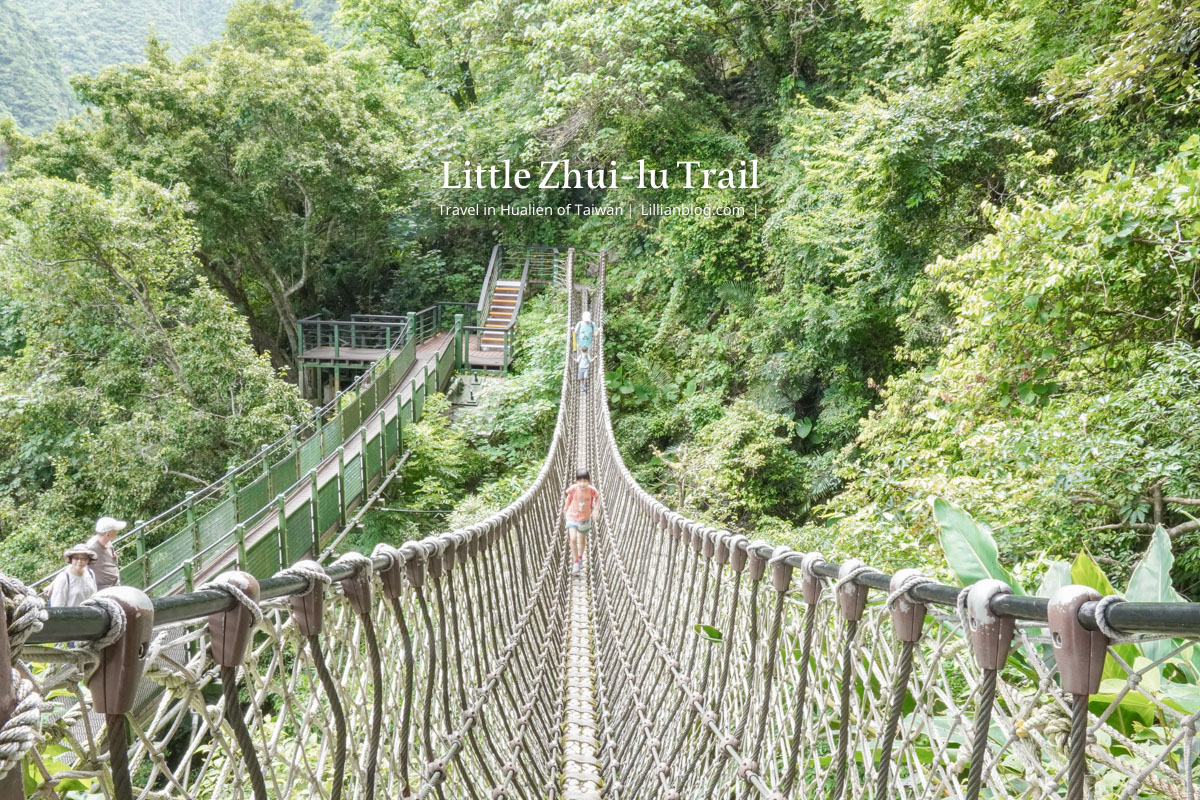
pixel 316 516
pixel 341 453
pixel 190 516
pixel 362 459
pixel 189 580
pixel 240 533
pixel 459 354
pixel 139 528
pixel 399 425
pixel 281 504
pixel 411 320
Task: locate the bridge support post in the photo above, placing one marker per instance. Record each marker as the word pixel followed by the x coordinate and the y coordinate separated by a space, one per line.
pixel 115 682
pixel 1079 654
pixel 991 639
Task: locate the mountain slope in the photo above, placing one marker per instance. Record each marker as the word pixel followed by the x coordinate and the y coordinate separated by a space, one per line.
pixel 91 34
pixel 32 86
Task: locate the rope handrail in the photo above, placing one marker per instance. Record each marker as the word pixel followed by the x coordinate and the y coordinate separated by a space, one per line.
pixel 718 667
pixel 819 701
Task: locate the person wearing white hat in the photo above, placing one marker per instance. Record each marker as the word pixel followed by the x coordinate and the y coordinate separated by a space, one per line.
pixel 76 583
pixel 105 567
pixel 585 329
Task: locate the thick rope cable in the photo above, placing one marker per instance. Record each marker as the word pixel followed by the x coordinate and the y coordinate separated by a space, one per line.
pixel 360 563
pixel 20 731
pixel 229 690
pixel 847 682
pixel 25 614
pixel 983 722
pixel 237 722
pixel 315 576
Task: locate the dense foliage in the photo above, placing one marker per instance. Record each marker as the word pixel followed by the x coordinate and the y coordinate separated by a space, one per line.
pixel 33 89
pixel 969 272
pixel 127 378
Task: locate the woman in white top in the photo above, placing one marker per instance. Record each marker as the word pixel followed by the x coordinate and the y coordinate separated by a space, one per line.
pixel 76 583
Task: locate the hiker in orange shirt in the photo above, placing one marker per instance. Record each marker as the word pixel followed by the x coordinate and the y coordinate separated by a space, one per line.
pixel 581 502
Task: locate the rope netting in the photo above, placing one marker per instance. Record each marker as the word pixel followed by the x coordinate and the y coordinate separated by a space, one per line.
pixel 433 670
pixel 729 668
pixel 683 662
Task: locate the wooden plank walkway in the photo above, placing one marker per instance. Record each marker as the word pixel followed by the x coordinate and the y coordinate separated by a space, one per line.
pixel 327 355
pixel 581 768
pixel 327 470
pixel 476 358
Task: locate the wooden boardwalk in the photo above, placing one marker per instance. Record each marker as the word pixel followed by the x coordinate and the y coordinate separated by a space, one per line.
pixel 476 358
pixel 327 470
pixel 327 355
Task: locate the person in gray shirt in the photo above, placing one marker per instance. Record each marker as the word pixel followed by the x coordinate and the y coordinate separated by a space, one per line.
pixel 105 567
pixel 75 583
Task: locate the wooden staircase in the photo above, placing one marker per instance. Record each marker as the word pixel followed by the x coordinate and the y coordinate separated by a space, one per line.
pixel 501 312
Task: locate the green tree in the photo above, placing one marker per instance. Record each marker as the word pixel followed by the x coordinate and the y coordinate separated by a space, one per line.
pixel 129 378
pixel 289 165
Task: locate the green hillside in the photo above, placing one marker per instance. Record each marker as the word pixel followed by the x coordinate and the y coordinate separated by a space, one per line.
pixel 91 34
pixel 32 87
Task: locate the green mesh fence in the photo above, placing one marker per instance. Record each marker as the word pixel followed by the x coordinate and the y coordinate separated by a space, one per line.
pixel 367 402
pixel 351 419
pixel 331 437
pixel 253 497
pixel 299 532
pixel 310 454
pixel 217 523
pixel 353 480
pixel 391 438
pixel 327 506
pixel 284 474
pixel 374 461
pixel 132 572
pixel 170 554
pixel 445 366
pixel 262 557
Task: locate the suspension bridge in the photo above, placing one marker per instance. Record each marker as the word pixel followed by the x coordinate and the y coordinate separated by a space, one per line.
pixel 683 661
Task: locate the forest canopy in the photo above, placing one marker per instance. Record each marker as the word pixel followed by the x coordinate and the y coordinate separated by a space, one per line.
pixel 971 275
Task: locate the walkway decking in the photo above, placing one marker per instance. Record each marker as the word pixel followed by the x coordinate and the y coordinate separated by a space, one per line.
pixel 426 354
pixel 328 355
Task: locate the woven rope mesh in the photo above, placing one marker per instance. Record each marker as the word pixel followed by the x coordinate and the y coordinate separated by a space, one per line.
pixel 710 677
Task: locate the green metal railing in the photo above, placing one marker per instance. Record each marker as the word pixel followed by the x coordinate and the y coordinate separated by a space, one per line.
pixel 290 497
pixel 160 554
